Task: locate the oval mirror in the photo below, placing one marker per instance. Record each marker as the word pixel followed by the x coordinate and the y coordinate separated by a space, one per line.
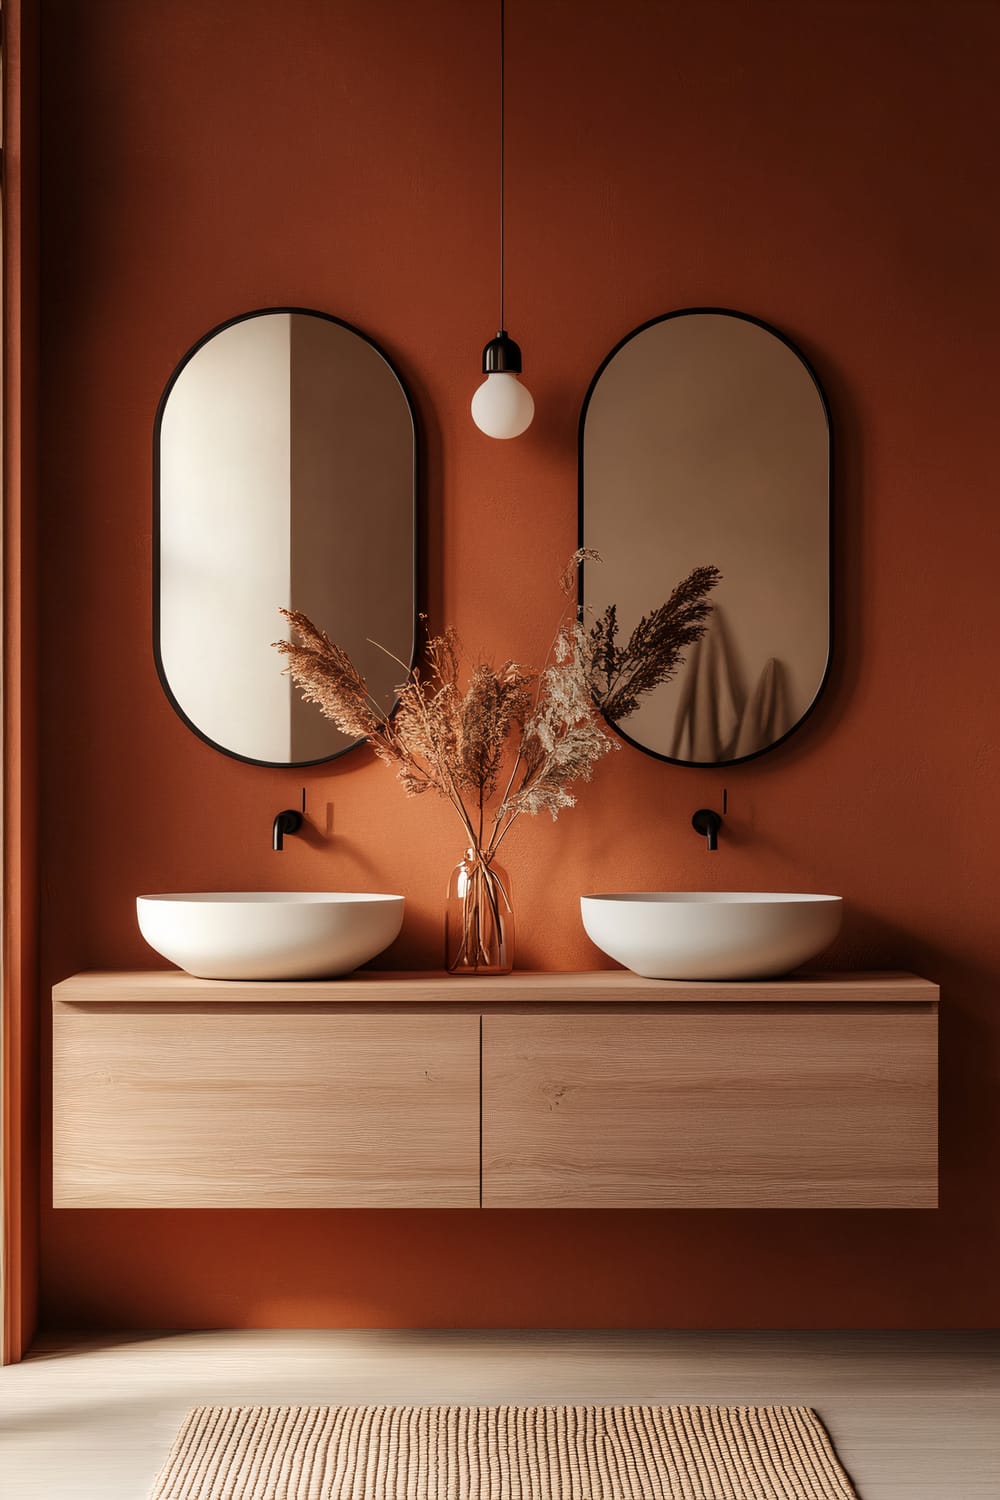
pixel 284 476
pixel 705 440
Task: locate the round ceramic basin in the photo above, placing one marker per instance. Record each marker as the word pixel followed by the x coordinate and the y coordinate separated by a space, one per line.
pixel 269 934
pixel 711 934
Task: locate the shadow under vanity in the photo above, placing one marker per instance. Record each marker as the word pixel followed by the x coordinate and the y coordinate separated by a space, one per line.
pixel 551 1090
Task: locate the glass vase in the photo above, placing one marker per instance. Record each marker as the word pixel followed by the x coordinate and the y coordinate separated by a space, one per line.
pixel 479 918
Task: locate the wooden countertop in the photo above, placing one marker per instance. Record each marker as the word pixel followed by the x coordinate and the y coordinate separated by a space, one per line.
pixel 383 986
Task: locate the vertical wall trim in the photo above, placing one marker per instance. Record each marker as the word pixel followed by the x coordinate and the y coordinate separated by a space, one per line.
pixel 19 1004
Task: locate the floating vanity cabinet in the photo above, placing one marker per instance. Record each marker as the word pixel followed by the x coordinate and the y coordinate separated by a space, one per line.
pixel 597 1090
pixel 711 1106
pixel 242 1106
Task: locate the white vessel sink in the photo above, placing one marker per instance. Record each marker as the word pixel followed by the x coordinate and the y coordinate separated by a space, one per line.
pixel 711 934
pixel 269 934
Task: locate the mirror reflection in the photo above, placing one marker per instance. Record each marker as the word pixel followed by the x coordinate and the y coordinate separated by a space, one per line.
pixel 705 441
pixel 285 476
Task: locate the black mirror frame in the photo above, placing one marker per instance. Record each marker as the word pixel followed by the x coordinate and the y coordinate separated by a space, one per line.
pixel 728 312
pixel 260 312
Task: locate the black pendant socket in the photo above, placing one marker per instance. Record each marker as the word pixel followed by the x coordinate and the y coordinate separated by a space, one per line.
pixel 502 356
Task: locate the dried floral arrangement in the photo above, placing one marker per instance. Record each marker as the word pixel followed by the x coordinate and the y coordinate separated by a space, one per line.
pixel 497 742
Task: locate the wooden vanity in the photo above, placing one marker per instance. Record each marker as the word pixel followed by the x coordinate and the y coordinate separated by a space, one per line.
pixel 549 1090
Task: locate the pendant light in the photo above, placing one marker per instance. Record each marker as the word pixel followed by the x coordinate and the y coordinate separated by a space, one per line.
pixel 502 407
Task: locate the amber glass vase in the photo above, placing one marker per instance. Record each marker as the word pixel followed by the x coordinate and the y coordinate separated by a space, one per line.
pixel 479 918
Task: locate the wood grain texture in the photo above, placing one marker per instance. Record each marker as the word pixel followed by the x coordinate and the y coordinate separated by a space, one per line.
pixel 719 1109
pixel 597 986
pixel 184 1109
pixel 170 1093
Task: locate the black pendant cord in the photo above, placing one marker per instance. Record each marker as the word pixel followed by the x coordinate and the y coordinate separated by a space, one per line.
pixel 503 94
pixel 501 355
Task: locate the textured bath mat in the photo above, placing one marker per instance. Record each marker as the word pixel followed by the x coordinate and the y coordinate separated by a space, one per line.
pixel 502 1453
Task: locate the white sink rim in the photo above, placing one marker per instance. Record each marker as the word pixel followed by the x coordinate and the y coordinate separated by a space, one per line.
pixel 711 935
pixel 709 898
pixel 269 935
pixel 269 898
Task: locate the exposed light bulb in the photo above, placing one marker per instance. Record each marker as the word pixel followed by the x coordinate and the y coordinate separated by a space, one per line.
pixel 502 407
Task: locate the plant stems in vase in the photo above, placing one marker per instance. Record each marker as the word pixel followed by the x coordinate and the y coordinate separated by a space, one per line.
pixel 479 918
pixel 499 741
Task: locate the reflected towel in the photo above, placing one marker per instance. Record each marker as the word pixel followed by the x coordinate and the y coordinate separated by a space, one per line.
pixel 767 716
pixel 712 699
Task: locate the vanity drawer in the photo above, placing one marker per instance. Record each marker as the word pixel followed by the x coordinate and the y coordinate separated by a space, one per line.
pixel 714 1106
pixel 251 1106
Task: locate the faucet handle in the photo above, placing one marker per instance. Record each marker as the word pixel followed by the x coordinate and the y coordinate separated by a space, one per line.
pixel 289 821
pixel 707 822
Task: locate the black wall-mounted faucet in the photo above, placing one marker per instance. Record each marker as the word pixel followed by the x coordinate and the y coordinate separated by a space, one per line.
pixel 288 821
pixel 707 823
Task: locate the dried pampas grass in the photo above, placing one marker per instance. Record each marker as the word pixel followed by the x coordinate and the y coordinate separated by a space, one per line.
pixel 497 742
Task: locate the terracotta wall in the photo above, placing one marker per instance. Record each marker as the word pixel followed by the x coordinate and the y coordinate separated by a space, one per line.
pixel 826 165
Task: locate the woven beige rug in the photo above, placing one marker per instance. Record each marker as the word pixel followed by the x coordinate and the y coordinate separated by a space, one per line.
pixel 502 1453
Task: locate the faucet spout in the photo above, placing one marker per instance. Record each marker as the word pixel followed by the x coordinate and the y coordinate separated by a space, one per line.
pixel 707 823
pixel 288 821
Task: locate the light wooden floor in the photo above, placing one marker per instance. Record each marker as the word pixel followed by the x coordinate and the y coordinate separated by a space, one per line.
pixel 914 1416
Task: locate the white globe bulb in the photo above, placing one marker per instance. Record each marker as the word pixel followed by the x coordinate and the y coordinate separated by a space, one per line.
pixel 502 407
